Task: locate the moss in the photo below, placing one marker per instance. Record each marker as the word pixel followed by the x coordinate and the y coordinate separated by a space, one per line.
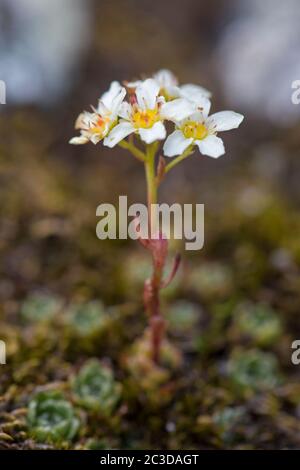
pixel 237 389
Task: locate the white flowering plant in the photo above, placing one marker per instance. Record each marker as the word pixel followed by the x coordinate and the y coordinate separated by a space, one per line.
pixel 138 124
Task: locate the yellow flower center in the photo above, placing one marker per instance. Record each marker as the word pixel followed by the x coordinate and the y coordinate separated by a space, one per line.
pixel 145 118
pixel 100 126
pixel 194 130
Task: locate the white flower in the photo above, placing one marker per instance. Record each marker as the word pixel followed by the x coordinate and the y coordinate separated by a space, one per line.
pixel 194 93
pixel 170 89
pixel 147 113
pixel 201 130
pixel 96 125
pixel 167 82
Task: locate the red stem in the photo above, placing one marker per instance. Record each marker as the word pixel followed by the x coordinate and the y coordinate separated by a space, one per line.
pixel 152 306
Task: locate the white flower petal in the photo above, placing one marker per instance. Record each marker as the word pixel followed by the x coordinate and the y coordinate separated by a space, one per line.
pixel 108 97
pixel 111 101
pixel 203 105
pixel 212 146
pixel 80 121
pixel 95 138
pixel 118 133
pixel 80 140
pixel 102 109
pixel 117 101
pixel 156 132
pixel 175 144
pixel 85 120
pixel 133 84
pixel 177 110
pixel 196 116
pixel 125 110
pixel 224 121
pixel 197 95
pixel 165 78
pixel 172 92
pixel 194 92
pixel 146 94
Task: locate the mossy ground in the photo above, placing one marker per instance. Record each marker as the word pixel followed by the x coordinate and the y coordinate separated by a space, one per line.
pixel 224 382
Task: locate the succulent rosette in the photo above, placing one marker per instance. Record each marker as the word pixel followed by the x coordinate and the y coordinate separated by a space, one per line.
pixel 95 388
pixel 51 418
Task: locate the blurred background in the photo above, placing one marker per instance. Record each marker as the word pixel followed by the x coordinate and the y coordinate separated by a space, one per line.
pixel 56 58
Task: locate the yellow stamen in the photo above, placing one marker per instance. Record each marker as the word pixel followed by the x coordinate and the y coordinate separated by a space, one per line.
pixel 100 126
pixel 194 130
pixel 145 118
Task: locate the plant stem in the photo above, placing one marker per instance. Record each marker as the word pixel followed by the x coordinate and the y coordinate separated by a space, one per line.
pixel 151 183
pixel 136 152
pixel 158 246
pixel 179 159
pixel 153 285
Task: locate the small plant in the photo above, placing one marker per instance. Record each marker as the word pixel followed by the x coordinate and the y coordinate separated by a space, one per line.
pixel 146 373
pixel 87 319
pixel 51 418
pixel 183 316
pixel 227 422
pixel 212 280
pixel 40 307
pixel 259 322
pixel 138 268
pixel 253 370
pixel 138 125
pixel 95 388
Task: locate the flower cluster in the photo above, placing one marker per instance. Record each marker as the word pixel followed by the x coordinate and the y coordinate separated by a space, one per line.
pixel 151 103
